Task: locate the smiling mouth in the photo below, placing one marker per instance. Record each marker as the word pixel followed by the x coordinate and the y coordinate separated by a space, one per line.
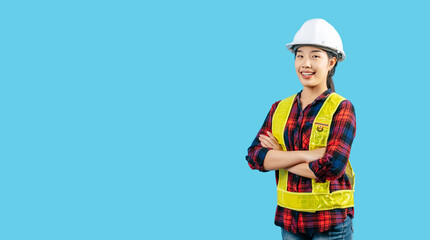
pixel 307 73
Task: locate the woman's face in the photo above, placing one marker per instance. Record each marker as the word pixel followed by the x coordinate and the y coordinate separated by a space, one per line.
pixel 312 66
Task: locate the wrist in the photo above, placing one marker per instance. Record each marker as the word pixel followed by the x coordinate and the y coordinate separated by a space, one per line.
pixel 304 156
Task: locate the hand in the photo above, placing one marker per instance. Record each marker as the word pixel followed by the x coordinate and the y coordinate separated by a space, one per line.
pixel 315 154
pixel 269 141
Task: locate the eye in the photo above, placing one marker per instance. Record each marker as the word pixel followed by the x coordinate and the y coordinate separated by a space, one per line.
pixel 316 56
pixel 299 56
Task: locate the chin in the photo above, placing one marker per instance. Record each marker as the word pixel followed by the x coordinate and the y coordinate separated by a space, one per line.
pixel 311 83
pixel 308 84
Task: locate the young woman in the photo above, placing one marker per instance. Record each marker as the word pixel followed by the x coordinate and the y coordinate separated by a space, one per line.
pixel 307 139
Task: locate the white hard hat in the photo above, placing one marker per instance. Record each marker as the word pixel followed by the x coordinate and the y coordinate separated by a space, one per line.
pixel 318 32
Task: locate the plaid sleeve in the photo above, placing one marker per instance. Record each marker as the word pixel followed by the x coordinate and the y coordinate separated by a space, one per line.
pixel 256 152
pixel 342 132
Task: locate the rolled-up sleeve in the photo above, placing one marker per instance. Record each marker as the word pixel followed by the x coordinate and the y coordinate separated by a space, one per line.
pixel 256 152
pixel 342 132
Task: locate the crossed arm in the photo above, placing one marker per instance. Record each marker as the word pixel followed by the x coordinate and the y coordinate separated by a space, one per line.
pixel 296 162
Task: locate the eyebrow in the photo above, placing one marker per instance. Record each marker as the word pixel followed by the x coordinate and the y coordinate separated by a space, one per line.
pixel 317 50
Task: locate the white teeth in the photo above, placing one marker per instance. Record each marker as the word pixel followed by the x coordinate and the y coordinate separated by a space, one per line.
pixel 307 74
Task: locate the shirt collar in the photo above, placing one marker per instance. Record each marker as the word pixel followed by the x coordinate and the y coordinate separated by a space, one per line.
pixel 321 97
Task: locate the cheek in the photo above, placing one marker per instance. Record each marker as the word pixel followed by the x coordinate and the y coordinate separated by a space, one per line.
pixel 296 66
pixel 324 68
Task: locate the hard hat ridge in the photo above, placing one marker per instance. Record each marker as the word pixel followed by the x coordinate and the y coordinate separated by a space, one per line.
pixel 318 32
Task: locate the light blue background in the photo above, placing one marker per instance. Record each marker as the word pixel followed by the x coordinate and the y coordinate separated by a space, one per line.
pixel 131 119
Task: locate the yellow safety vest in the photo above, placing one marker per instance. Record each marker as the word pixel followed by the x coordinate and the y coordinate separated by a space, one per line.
pixel 320 198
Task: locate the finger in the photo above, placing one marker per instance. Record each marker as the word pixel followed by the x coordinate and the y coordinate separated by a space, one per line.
pixel 265 142
pixel 273 140
pixel 267 139
pixel 271 136
pixel 264 136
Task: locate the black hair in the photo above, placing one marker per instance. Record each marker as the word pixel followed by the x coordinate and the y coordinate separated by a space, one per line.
pixel 330 74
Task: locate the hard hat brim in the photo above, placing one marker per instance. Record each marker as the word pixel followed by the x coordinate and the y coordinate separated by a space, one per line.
pixel 341 54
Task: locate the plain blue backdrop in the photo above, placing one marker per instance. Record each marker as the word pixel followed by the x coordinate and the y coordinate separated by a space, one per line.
pixel 131 119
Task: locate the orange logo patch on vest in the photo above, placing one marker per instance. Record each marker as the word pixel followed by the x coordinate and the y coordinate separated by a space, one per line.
pixel 320 126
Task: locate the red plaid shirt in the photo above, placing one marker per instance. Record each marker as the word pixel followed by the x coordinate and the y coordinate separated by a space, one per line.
pixel 330 167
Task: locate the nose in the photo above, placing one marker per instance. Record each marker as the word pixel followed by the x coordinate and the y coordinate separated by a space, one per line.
pixel 306 63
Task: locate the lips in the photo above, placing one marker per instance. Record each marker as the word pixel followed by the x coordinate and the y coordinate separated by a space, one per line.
pixel 307 74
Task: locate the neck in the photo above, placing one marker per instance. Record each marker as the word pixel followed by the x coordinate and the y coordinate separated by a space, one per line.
pixel 308 95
